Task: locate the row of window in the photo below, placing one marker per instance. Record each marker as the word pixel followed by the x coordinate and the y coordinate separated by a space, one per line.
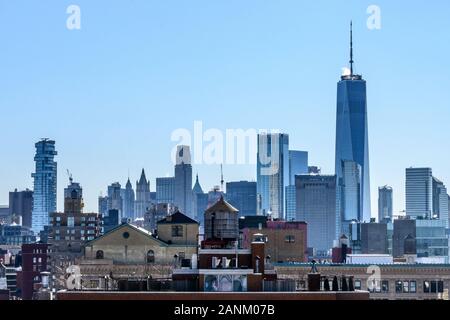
pixel 90 231
pixel 403 286
pixel 68 238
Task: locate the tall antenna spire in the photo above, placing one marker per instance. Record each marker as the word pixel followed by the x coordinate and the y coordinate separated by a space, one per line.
pixel 351 48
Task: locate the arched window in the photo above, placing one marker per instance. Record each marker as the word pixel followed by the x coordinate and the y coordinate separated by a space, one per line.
pixel 99 254
pixel 150 256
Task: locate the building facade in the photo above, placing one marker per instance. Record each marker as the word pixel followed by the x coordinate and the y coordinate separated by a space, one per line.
pixel 143 201
pixel 44 197
pixel 183 181
pixel 165 189
pixel 128 201
pixel 385 204
pixel 21 205
pixel 419 192
pixel 272 173
pixel 242 196
pixel 316 205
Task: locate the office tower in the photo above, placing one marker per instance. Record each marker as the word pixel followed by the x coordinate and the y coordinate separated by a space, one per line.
pixel 272 173
pixel 200 201
pixel 385 204
pixel 21 205
pixel 374 238
pixel 440 201
pixel 432 239
pixel 103 205
pixel 44 197
pixel 352 142
pixel 419 192
pixel 298 164
pixel 403 228
pixel 183 181
pixel 115 200
pixel 143 201
pixel 316 205
pixel 128 201
pixel 242 196
pixel 165 189
pixel 350 192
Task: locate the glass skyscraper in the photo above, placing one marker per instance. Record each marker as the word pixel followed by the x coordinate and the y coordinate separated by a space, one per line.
pixel 352 141
pixel 419 192
pixel 242 196
pixel 272 173
pixel 298 164
pixel 385 203
pixel 44 197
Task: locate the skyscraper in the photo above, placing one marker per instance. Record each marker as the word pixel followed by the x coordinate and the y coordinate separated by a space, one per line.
pixel 115 200
pixel 385 203
pixel 272 173
pixel 143 201
pixel 200 201
pixel 128 201
pixel 165 189
pixel 183 181
pixel 350 192
pixel 352 141
pixel 419 192
pixel 44 198
pixel 440 201
pixel 316 205
pixel 242 196
pixel 298 164
pixel 21 204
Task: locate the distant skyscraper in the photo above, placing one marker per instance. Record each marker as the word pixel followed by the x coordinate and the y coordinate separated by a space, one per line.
pixel 21 204
pixel 200 200
pixel 128 201
pixel 165 189
pixel 298 164
pixel 44 198
pixel 272 173
pixel 385 203
pixel 350 192
pixel 143 201
pixel 115 200
pixel 242 196
pixel 440 201
pixel 352 142
pixel 316 205
pixel 183 181
pixel 103 205
pixel 419 192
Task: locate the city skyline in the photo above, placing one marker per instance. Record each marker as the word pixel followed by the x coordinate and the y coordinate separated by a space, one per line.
pixel 397 137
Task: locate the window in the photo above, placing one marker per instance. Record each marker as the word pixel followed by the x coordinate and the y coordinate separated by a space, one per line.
pixel 125 235
pixel 177 231
pixel 357 284
pixel 433 287
pixel 289 239
pixel 440 286
pixel 412 287
pixel 405 286
pixel 150 256
pixel 99 254
pixel 398 287
pixel 426 286
pixel 70 222
pixel 58 219
pixel 385 286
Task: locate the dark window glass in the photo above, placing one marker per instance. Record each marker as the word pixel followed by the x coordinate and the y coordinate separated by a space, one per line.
pixel 385 286
pixel 426 287
pixel 433 286
pixel 440 286
pixel 398 287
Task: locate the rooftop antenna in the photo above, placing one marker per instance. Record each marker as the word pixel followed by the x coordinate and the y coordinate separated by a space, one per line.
pixel 351 48
pixel 221 177
pixel 70 176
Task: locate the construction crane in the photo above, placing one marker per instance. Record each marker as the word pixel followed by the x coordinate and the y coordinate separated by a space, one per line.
pixel 70 176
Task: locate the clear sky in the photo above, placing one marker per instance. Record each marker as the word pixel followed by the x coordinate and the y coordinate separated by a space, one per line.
pixel 112 93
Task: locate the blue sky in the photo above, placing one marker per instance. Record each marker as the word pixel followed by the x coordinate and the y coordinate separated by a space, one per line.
pixel 112 93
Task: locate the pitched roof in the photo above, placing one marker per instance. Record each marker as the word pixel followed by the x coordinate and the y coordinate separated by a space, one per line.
pixel 197 187
pixel 177 218
pixel 222 205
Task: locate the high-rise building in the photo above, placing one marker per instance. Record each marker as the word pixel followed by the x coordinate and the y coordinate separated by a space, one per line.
pixel 352 141
pixel 128 201
pixel 165 189
pixel 44 197
pixel 403 229
pixel 183 181
pixel 350 192
pixel 143 201
pixel 440 201
pixel 200 201
pixel 374 238
pixel 298 164
pixel 385 204
pixel 316 205
pixel 115 200
pixel 419 192
pixel 242 196
pixel 272 173
pixel 103 205
pixel 21 204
